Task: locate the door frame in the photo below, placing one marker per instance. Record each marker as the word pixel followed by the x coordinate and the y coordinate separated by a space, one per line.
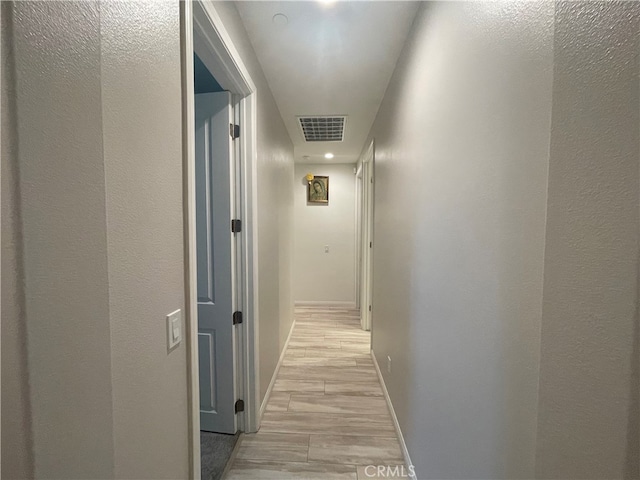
pixel 203 32
pixel 359 226
pixel 366 204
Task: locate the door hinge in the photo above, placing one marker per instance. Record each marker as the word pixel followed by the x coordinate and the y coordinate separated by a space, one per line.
pixel 234 131
pixel 236 225
pixel 370 244
pixel 369 307
pixel 239 406
pixel 237 318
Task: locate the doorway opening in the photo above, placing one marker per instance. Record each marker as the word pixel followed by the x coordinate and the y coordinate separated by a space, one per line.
pixel 364 221
pixel 219 104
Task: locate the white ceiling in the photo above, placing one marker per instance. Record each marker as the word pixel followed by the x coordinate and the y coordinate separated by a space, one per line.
pixel 329 59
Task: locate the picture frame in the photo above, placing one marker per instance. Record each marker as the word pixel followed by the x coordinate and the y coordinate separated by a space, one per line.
pixel 318 190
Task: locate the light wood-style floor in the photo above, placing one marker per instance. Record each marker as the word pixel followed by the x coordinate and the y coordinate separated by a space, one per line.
pixel 327 418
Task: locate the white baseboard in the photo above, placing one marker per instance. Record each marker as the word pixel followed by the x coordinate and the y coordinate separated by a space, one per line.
pixel 304 303
pixel 263 406
pixel 403 445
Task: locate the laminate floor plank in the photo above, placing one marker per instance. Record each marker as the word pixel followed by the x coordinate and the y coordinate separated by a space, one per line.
pixel 326 417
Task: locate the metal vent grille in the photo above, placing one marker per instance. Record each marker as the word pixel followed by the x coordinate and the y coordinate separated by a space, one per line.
pixel 323 129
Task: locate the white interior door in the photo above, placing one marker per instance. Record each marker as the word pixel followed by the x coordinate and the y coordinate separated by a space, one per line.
pixel 216 261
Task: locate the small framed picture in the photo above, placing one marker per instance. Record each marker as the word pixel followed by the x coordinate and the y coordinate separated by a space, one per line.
pixel 318 191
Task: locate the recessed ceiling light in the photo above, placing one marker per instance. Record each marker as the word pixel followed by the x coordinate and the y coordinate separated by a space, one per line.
pixel 328 156
pixel 327 2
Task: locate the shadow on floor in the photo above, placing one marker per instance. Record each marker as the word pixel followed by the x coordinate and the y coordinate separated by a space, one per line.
pixel 215 451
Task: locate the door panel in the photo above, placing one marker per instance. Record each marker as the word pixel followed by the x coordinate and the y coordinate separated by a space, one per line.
pixel 215 257
pixel 207 356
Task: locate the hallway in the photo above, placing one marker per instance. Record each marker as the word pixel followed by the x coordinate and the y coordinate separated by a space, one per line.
pixel 478 166
pixel 327 417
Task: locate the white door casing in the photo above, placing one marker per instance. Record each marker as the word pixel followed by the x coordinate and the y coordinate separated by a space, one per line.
pixel 203 32
pixel 366 285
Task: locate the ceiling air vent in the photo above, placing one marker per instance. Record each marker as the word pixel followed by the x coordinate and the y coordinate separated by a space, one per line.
pixel 323 129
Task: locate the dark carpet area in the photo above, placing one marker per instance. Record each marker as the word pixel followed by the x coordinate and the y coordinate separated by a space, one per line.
pixel 215 451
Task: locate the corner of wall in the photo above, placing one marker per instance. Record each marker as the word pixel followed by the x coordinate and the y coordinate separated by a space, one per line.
pixel 16 442
pixel 589 362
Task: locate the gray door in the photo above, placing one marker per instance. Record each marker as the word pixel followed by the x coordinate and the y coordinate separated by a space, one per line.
pixel 216 254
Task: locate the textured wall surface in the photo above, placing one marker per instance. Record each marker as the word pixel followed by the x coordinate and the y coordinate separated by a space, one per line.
pixel 462 140
pixel 16 456
pixel 99 142
pixel 591 255
pixel 319 276
pixel 275 207
pixel 100 155
pixel 142 125
pixel 58 94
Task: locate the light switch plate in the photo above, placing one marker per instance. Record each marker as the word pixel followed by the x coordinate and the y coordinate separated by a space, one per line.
pixel 174 329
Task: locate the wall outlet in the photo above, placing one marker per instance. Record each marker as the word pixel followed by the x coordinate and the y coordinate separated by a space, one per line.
pixel 326 249
pixel 388 364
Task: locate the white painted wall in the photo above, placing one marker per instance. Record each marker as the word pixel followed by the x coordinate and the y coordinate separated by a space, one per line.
pixel 319 277
pixel 462 148
pixel 62 195
pixel 275 207
pixel 100 163
pixel 16 456
pixel 142 145
pixel 589 317
pixel 509 312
